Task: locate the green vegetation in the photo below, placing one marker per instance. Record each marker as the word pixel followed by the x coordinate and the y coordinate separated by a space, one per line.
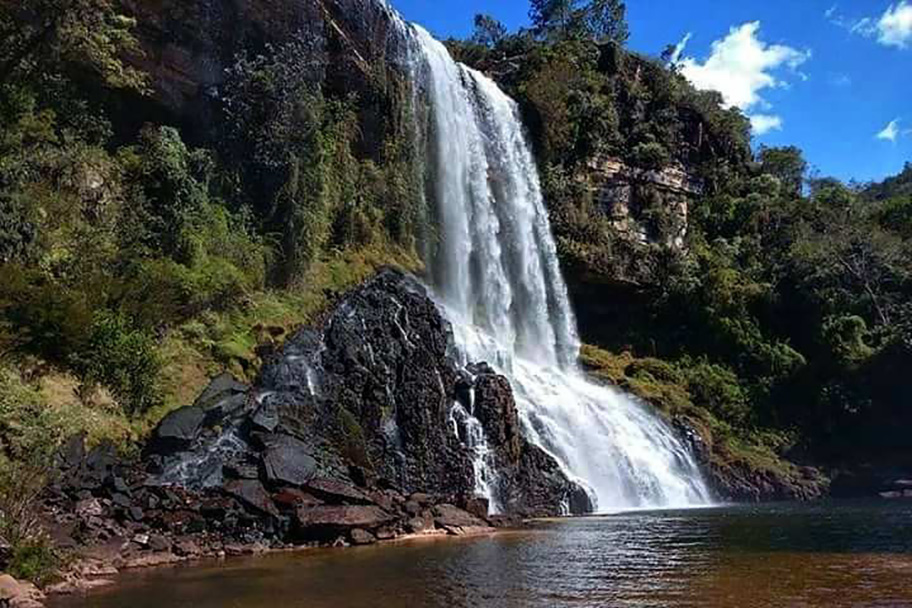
pixel 137 260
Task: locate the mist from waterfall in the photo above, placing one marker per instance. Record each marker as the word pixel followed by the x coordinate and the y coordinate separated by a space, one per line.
pixel 496 275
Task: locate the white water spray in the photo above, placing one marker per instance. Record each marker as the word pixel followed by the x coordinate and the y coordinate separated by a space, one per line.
pixel 497 277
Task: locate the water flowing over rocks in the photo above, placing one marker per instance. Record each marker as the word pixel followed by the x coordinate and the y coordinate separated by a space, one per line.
pixel 346 439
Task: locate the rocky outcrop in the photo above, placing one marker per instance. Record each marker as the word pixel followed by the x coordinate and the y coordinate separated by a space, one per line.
pixel 645 206
pixel 734 478
pixel 19 594
pixel 528 479
pixel 347 438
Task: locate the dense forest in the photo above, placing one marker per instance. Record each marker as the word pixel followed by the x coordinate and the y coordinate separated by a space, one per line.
pixel 137 260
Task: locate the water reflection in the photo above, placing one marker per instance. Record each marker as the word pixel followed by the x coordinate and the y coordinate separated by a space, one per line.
pixel 818 555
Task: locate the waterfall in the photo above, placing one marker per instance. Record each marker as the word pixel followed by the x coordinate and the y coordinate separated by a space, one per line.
pixel 496 276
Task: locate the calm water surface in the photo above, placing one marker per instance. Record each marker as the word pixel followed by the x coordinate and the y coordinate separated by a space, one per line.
pixel 827 555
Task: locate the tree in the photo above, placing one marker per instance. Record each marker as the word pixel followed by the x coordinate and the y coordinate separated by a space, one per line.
pixel 787 164
pixel 599 20
pixel 552 16
pixel 44 36
pixel 607 21
pixel 489 32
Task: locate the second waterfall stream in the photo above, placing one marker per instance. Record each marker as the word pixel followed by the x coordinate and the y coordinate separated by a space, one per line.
pixel 496 275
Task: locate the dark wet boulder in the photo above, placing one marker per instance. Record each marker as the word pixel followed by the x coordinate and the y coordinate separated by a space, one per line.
pixel 223 398
pixel 252 494
pixel 495 408
pixel 287 460
pixel 221 387
pixel 451 516
pixel 178 430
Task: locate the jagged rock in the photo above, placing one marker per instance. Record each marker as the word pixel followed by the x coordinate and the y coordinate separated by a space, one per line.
pixel 157 542
pixel 337 492
pixel 19 594
pixel 89 507
pixel 219 388
pixel 266 417
pixel 293 497
pixel 495 408
pixel 178 430
pixel 252 494
pixel 339 516
pixel 362 537
pixel 579 501
pixel 287 461
pixel 73 453
pixel 187 547
pixel 479 507
pixel 223 398
pixel 451 516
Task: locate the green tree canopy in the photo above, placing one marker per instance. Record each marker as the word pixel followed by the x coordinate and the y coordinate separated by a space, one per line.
pixel 489 32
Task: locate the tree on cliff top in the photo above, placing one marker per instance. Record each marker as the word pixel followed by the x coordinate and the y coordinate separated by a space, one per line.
pixel 489 32
pixel 600 20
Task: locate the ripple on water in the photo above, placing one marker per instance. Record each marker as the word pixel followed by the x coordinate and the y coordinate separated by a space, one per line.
pixel 816 556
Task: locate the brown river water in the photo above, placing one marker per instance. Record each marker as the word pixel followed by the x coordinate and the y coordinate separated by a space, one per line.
pixel 819 555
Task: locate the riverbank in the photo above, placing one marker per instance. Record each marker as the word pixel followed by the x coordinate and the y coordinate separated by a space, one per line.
pixel 824 554
pixel 101 566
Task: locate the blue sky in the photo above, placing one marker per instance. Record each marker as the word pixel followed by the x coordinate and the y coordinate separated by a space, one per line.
pixel 830 77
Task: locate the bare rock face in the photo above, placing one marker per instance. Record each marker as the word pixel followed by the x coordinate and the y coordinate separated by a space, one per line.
pixel 189 45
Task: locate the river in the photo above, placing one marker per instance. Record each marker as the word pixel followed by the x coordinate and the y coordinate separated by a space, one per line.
pixel 809 555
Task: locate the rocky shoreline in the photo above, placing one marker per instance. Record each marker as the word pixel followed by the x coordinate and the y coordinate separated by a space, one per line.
pixel 357 432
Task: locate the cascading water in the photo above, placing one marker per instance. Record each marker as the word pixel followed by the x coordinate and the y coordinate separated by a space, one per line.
pixel 497 277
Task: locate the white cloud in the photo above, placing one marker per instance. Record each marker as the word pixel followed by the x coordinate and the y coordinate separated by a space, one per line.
pixel 892 28
pixel 895 26
pixel 890 132
pixel 831 11
pixel 679 48
pixel 764 123
pixel 740 66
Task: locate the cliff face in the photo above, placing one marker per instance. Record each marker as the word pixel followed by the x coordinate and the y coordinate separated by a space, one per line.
pixel 644 206
pixel 188 47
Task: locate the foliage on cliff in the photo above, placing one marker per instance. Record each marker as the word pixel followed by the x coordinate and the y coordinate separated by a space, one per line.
pixel 138 263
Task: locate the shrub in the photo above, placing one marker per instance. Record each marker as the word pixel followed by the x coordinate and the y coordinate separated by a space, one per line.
pixel 122 358
pixel 651 155
pixel 718 389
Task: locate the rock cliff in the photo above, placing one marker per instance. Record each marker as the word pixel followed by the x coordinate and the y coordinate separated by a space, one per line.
pixel 349 436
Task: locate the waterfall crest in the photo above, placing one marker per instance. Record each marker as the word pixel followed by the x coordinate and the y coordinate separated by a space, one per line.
pixel 496 276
